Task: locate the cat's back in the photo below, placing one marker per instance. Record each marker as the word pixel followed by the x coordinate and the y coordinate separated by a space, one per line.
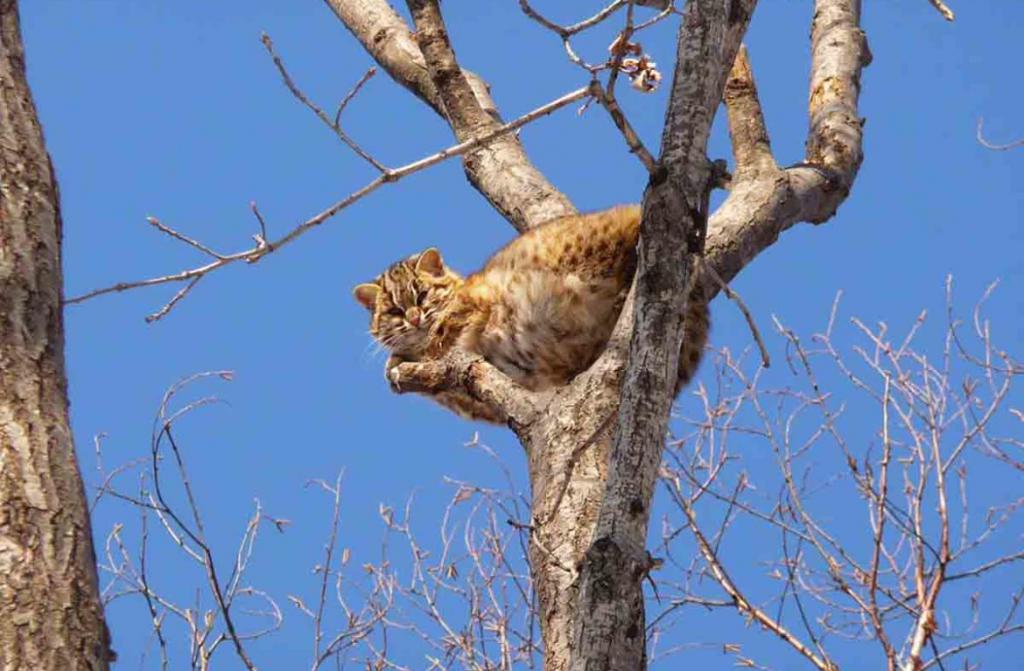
pixel 596 244
pixel 552 295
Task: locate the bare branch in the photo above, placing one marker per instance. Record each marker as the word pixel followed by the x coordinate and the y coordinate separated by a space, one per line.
pixel 325 571
pixel 758 211
pixel 611 105
pixel 735 297
pixel 481 380
pixel 503 174
pixel 155 223
pixel 569 31
pixel 744 606
pixel 333 124
pixel 838 52
pixel 750 144
pixel 941 7
pixel 997 147
pixel 367 76
pixel 1006 627
pixel 924 416
pixel 162 312
pixel 385 36
pixel 197 535
pixel 565 33
pixel 263 247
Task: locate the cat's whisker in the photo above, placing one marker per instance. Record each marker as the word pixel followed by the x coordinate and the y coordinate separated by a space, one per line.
pixel 370 352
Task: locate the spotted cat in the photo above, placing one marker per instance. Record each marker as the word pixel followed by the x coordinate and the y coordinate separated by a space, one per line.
pixel 541 310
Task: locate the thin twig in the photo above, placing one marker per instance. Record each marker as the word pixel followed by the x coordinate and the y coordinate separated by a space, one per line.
pixel 352 94
pixel 157 619
pixel 741 603
pixel 184 238
pixel 735 297
pixel 258 252
pixel 325 570
pixel 619 49
pixel 313 107
pixel 946 12
pixel 636 146
pixel 569 31
pixel 997 147
pixel 261 237
pixel 162 312
pixel 162 430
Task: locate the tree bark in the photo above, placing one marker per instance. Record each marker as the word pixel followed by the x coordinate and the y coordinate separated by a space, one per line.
pixel 610 626
pixel 50 611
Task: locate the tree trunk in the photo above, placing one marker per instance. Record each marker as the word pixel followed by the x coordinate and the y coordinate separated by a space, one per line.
pixel 50 611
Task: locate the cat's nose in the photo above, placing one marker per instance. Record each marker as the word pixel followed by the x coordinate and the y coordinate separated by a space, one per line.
pixel 412 315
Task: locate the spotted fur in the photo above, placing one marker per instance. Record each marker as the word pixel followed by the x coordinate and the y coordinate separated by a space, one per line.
pixel 541 310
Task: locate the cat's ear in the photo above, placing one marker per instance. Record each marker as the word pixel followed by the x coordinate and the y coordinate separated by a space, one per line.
pixel 430 262
pixel 366 294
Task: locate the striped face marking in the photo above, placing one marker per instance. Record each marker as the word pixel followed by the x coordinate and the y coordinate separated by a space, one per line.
pixel 406 300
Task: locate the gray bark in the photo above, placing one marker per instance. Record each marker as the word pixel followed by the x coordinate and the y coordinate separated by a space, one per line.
pixel 610 623
pixel 50 612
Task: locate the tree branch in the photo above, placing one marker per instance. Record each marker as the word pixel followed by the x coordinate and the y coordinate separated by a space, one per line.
pixel 751 147
pixel 385 36
pixel 611 105
pixel 335 123
pixel 744 605
pixel 264 247
pixel 502 173
pixel 459 370
pixel 991 145
pixel 941 7
pixel 760 208
pixel 568 31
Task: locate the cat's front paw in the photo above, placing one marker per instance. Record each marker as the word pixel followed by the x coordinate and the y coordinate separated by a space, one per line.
pixel 394 376
pixel 392 373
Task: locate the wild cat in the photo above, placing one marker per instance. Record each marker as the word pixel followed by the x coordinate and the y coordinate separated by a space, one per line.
pixel 541 309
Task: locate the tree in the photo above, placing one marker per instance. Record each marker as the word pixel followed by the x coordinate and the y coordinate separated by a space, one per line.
pixel 592 483
pixel 50 612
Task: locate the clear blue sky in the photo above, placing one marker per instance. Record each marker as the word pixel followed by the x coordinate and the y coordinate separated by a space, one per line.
pixel 174 110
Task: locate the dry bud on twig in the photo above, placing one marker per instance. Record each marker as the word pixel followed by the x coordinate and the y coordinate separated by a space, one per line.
pixel 638 66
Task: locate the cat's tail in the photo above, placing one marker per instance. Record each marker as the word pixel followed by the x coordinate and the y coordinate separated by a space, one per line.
pixel 696 325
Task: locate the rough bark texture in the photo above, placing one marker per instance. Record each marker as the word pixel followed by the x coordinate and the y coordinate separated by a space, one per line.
pixel 50 613
pixel 610 625
pixel 426 66
pixel 590 499
pixel 500 171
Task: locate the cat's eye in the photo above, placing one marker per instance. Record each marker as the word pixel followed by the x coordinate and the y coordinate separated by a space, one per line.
pixel 396 312
pixel 421 296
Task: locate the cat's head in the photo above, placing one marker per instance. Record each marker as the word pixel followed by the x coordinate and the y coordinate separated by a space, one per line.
pixel 406 300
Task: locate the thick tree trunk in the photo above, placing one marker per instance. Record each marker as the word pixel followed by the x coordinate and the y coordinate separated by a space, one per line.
pixel 610 625
pixel 50 612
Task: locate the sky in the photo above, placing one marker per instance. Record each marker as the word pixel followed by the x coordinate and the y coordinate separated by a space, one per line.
pixel 174 110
